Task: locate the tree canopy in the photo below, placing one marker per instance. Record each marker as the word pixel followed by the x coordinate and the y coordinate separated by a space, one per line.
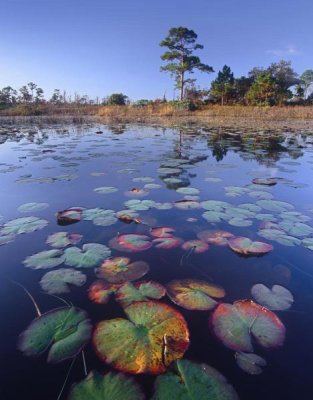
pixel 182 43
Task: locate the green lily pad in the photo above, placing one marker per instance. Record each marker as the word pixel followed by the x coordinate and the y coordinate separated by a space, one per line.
pixel 308 243
pixel 153 336
pixel 152 186
pixel 274 205
pixel 192 381
pixel 278 298
pixel 240 222
pixel 105 189
pixel 120 270
pixel 187 190
pixel 45 259
pixel 145 179
pixel 250 363
pixel 193 294
pixel 215 216
pixel 236 324
pixel 4 239
pixel 139 205
pixel 63 239
pixel 265 181
pixel 129 293
pixel 58 281
pixel 258 194
pixel 91 255
pixel 112 386
pixel 23 225
pixel 32 207
pixel 64 331
pixel 298 229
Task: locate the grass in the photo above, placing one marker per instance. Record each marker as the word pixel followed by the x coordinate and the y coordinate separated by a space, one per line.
pixel 236 115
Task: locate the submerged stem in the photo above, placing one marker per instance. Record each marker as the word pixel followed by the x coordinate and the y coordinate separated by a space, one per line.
pixel 84 363
pixel 38 312
pixel 66 378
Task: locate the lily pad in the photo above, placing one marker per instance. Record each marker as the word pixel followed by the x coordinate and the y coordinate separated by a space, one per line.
pixel 275 205
pixel 308 243
pixel 167 242
pixel 45 259
pixel 100 292
pixel 58 281
pixel 187 204
pixel 130 243
pixel 278 298
pixel 63 239
pixel 64 331
pixel 91 255
pixel 162 232
pixel 136 192
pixel 198 246
pixel 4 239
pixel 129 293
pixel 245 246
pixel 193 381
pixel 153 336
pixel 236 324
pixel 23 225
pixel 265 181
pixel 250 363
pixel 32 207
pixel 120 270
pixel 69 216
pixel 187 190
pixel 105 189
pixel 112 386
pixel 193 294
pixel 217 237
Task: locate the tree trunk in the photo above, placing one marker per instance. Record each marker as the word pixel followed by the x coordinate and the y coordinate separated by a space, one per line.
pixel 182 86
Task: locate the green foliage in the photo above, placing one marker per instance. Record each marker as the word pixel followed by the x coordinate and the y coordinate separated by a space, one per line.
pixel 222 88
pixel 181 44
pixel 263 91
pixel 117 99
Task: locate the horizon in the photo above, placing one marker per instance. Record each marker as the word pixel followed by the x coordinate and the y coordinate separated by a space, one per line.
pixel 98 48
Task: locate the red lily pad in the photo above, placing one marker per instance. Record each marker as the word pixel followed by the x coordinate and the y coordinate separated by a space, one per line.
pixel 218 237
pixel 187 204
pixel 167 243
pixel 129 293
pixel 100 292
pixel 236 324
pixel 153 336
pixel 120 270
pixel 245 246
pixel 136 192
pixel 194 294
pixel 162 232
pixel 198 245
pixel 130 243
pixel 69 216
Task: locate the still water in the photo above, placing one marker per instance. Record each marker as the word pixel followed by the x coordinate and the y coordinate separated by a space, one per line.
pixel 124 180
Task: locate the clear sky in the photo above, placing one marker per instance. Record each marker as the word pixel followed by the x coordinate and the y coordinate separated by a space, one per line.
pixel 98 47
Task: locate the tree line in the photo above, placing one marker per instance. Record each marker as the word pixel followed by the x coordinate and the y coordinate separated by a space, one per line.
pixel 278 84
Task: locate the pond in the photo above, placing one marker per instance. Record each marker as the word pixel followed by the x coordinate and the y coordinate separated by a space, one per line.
pixel 164 254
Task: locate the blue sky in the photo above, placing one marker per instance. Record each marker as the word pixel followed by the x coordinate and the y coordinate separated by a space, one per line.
pixel 98 47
